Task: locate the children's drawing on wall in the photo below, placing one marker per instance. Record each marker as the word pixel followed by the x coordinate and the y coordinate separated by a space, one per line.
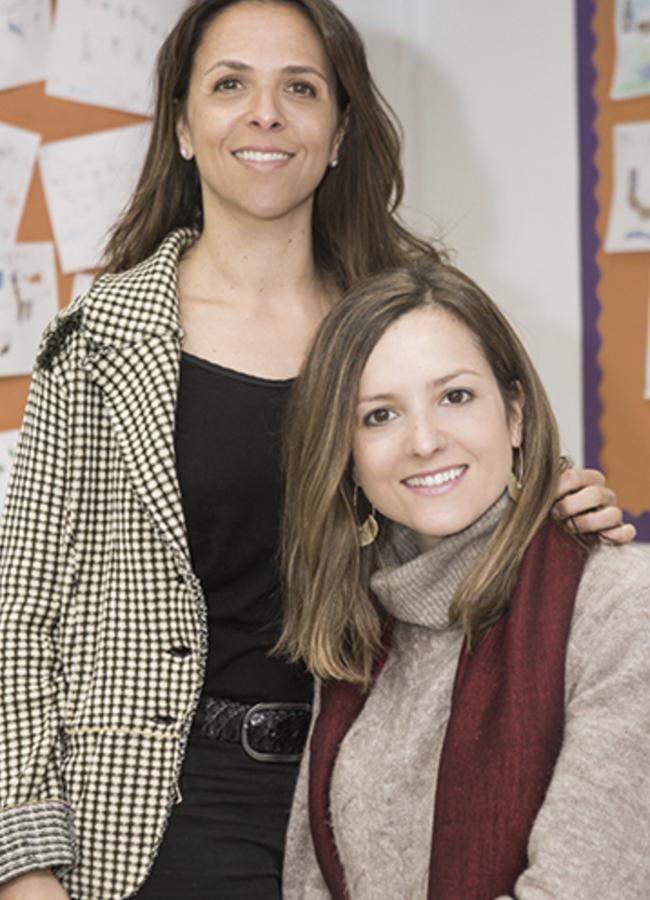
pixel 8 441
pixel 18 149
pixel 28 300
pixel 632 70
pixel 629 219
pixel 103 51
pixel 87 181
pixel 24 39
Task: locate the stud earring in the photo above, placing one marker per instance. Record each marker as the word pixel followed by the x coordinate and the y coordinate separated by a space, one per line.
pixel 185 153
pixel 515 482
pixel 368 531
pixel 334 163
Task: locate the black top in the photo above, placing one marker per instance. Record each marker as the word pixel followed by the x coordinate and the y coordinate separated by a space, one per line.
pixel 228 461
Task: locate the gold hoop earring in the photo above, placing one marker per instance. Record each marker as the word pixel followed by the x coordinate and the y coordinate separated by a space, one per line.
pixel 368 531
pixel 515 482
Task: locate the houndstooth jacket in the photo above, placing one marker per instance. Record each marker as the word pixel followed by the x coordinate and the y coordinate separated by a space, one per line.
pixel 103 632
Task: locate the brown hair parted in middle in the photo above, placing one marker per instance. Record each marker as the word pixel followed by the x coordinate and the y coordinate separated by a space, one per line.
pixel 356 231
pixel 332 623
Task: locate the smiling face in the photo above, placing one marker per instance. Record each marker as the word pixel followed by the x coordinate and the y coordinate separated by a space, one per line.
pixel 433 439
pixel 261 117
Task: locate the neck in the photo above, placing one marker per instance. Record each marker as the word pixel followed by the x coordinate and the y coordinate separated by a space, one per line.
pixel 254 262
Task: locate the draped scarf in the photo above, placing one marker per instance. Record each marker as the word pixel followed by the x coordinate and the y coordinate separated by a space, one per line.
pixel 502 740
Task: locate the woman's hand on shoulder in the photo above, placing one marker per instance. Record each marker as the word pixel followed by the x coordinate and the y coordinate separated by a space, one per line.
pixel 41 885
pixel 587 505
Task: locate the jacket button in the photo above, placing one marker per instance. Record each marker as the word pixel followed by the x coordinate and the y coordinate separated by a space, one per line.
pixel 164 720
pixel 180 652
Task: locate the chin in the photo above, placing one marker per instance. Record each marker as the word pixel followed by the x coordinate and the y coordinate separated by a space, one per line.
pixel 446 526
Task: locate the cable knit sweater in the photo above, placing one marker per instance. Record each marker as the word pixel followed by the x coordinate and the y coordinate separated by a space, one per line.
pixel 591 838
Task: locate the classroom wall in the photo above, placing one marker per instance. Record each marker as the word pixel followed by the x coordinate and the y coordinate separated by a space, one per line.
pixel 487 96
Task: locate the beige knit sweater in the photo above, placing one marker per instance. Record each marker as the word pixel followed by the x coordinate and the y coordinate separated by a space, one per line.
pixel 591 838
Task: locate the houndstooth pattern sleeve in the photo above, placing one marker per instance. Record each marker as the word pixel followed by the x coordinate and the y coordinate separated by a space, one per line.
pixel 35 821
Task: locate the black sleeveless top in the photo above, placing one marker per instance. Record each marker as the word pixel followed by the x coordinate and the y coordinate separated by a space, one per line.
pixel 228 462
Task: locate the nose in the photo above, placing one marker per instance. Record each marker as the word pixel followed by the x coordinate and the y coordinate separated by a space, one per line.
pixel 265 112
pixel 425 436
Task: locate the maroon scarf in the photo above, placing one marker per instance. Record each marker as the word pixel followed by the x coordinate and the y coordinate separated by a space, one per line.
pixel 503 737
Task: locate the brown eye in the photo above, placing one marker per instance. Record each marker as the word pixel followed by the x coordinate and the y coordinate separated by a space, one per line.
pixel 457 397
pixel 378 417
pixel 226 85
pixel 303 89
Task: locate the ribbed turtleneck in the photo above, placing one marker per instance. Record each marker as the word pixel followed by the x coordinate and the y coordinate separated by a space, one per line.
pixel 420 589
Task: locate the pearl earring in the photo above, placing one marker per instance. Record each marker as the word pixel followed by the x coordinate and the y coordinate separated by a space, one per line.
pixel 334 163
pixel 185 153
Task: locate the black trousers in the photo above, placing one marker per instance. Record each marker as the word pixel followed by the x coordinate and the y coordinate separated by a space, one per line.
pixel 225 839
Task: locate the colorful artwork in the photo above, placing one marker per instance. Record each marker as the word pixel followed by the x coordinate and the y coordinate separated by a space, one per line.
pixel 28 301
pixel 632 71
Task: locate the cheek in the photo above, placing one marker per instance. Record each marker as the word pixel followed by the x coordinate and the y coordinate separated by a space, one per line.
pixel 319 131
pixel 373 466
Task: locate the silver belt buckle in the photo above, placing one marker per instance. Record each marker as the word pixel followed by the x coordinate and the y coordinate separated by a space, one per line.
pixel 248 722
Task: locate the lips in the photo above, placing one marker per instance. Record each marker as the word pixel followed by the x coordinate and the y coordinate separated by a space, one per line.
pixel 435 479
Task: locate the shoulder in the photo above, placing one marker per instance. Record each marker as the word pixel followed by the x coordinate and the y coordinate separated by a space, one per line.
pixel 616 579
pixel 610 630
pixel 57 334
pixel 122 307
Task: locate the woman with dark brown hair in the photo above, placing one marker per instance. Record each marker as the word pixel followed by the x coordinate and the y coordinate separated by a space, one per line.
pixel 482 724
pixel 149 742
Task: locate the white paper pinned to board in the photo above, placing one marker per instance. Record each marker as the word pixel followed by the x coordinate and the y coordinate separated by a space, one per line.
pixel 8 442
pixel 103 52
pixel 632 67
pixel 18 149
pixel 88 181
pixel 28 301
pixel 629 218
pixel 24 41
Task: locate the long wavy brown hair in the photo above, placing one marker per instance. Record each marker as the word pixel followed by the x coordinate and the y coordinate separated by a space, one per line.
pixel 356 231
pixel 332 622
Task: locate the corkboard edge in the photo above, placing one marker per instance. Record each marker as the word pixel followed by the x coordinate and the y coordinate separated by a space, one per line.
pixel 592 217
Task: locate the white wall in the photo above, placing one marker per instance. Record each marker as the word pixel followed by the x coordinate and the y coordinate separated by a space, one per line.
pixel 487 96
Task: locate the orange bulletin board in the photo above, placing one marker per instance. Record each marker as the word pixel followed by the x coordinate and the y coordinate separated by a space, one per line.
pixel 615 286
pixel 54 119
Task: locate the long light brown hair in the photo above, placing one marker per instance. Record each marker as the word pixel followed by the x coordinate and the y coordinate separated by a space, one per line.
pixel 355 227
pixel 332 621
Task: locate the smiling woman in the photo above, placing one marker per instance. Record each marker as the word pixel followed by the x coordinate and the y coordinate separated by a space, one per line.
pixel 484 673
pixel 433 424
pixel 150 743
pixel 240 77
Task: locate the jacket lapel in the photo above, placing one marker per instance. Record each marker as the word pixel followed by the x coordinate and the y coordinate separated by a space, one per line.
pixel 133 342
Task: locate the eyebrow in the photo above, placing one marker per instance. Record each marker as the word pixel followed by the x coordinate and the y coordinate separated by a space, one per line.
pixel 436 383
pixel 240 66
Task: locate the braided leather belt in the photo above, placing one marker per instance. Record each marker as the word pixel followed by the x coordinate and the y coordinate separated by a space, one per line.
pixel 268 732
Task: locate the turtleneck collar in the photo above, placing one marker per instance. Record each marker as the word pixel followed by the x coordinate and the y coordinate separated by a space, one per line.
pixel 419 587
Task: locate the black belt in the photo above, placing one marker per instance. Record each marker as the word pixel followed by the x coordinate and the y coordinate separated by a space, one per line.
pixel 268 732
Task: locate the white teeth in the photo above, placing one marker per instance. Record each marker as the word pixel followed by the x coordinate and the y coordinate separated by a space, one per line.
pixel 436 480
pixel 260 156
